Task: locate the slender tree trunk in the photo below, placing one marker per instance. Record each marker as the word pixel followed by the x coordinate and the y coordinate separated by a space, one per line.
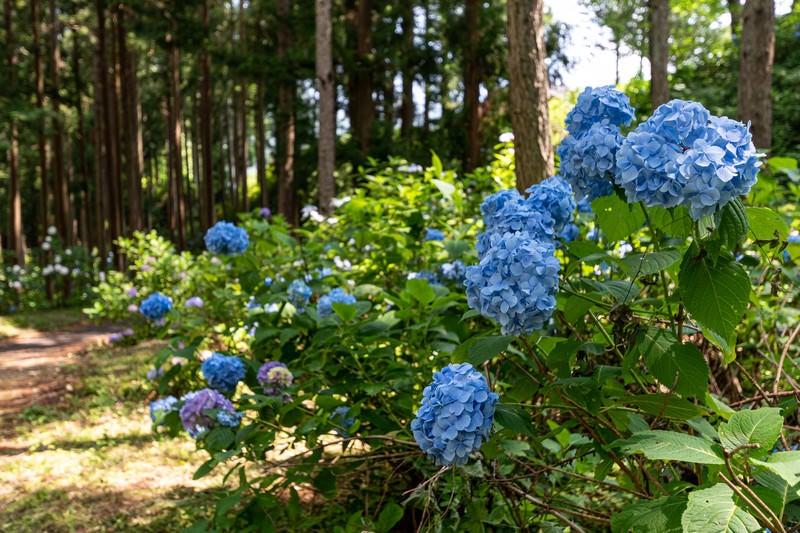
pixel 361 106
pixel 207 215
pixel 101 166
pixel 530 117
pixel 86 229
pixel 60 185
pixel 178 224
pixel 15 238
pixel 472 81
pixel 285 120
pixel 327 106
pixel 242 152
pixel 407 102
pixel 38 62
pixel 757 54
pixel 659 52
pixel 261 162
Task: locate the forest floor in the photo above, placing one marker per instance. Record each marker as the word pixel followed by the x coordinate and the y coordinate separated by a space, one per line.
pixel 77 452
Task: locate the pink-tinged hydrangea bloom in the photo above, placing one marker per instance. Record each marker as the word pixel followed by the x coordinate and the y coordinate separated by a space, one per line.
pixel 205 409
pixel 274 378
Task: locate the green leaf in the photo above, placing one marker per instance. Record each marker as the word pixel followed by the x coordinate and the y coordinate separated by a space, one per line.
pixel 671 446
pixel 420 290
pixel 733 224
pixel 219 438
pixel 766 224
pixel 325 481
pixel 675 221
pixel 389 517
pixel 617 218
pixel 346 312
pixel 481 349
pixel 715 295
pixel 759 426
pixel 622 291
pixel 667 406
pixel 781 473
pixel 447 189
pixel 714 509
pixel 657 516
pixel 673 363
pixel 205 468
pixel 515 419
pixel 650 263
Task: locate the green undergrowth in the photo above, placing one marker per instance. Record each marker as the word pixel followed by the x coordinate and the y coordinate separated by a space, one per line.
pixel 91 462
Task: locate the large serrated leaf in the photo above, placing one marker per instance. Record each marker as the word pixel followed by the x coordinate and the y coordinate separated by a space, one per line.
pixel 667 406
pixel 733 224
pixel 480 349
pixel 759 426
pixel 515 419
pixel 672 446
pixel 420 290
pixel 766 224
pixel 657 516
pixel 716 295
pixel 780 472
pixel 650 263
pixel 713 509
pixel 617 218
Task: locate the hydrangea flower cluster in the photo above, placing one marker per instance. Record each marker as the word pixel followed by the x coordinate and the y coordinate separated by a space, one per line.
pixel 160 408
pixel 455 271
pixel 553 196
pixel 683 155
pixel 455 415
pixel 194 301
pixel 226 238
pixel 339 416
pixel 298 294
pixel 427 275
pixel 205 409
pixel 588 153
pixel 510 212
pixel 515 283
pixel 155 306
pixel 338 295
pixel 274 378
pixel 433 234
pixel 223 372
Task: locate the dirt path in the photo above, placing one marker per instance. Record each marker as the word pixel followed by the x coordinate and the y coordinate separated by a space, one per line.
pixel 35 366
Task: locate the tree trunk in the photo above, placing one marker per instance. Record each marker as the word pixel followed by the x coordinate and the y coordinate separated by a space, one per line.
pixel 756 56
pixel 206 193
pixel 472 80
pixel 659 52
pixel 407 102
pixel 528 86
pixel 327 105
pixel 15 238
pixel 361 106
pixel 38 62
pixel 261 162
pixel 285 120
pixel 60 185
pixel 178 223
pixel 86 233
pixel 242 152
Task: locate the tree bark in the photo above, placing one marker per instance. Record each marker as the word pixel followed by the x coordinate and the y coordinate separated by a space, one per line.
pixel 261 158
pixel 206 193
pixel 42 146
pixel 407 99
pixel 60 185
pixel 472 81
pixel 528 88
pixel 327 105
pixel 756 57
pixel 285 120
pixel 15 239
pixel 659 51
pixel 360 105
pixel 178 222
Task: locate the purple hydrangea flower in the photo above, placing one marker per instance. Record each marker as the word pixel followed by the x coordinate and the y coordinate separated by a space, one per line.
pixel 554 196
pixel 325 303
pixel 515 283
pixel 265 212
pixel 194 301
pixel 433 234
pixel 160 408
pixel 155 306
pixel 226 238
pixel 132 292
pixel 154 373
pixel 223 372
pixel 274 378
pixel 455 415
pixel 596 104
pixel 203 410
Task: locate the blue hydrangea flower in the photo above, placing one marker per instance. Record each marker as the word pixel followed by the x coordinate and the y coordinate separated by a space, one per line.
pixel 274 377
pixel 203 410
pixel 340 417
pixel 599 103
pixel 585 206
pixel 455 416
pixel 554 196
pixel 515 283
pixel 455 271
pixel 494 203
pixel 516 216
pixel 155 306
pixel 223 372
pixel 160 408
pixel 647 170
pixel 298 294
pixel 427 275
pixel 324 305
pixel 226 238
pixel 569 233
pixel 433 234
pixel 588 160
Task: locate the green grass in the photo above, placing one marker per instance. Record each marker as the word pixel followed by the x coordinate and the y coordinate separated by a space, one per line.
pixel 92 463
pixel 53 319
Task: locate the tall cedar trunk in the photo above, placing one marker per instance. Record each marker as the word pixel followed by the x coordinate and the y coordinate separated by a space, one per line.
pixel 361 106
pixel 327 105
pixel 261 162
pixel 472 80
pixel 242 152
pixel 206 192
pixel 230 137
pixel 128 80
pixel 755 69
pixel 117 189
pixel 659 51
pixel 407 102
pixel 178 224
pixel 187 184
pixel 60 185
pixel 86 231
pixel 101 206
pixel 285 120
pixel 42 146
pixel 195 152
pixel 15 238
pixel 528 87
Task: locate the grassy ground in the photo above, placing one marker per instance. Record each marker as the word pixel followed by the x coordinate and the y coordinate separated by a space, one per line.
pixel 91 462
pixel 15 324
